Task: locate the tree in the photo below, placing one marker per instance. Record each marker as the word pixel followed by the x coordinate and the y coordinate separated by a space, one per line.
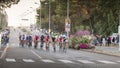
pixel 3 14
pixel 101 16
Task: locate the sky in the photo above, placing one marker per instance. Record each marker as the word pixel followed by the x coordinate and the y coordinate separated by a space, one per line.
pixel 16 12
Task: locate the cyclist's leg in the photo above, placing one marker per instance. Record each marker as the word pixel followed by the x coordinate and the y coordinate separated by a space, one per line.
pixel 22 43
pixel 35 44
pixel 60 46
pixel 30 44
pixel 54 47
pixel 47 46
pixel 64 47
pixel 41 45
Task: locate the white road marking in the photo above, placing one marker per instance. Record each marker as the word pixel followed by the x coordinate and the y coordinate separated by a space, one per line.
pixel 106 62
pixel 85 61
pixel 47 61
pixel 36 54
pixel 66 61
pixel 3 53
pixel 118 61
pixel 28 60
pixel 10 60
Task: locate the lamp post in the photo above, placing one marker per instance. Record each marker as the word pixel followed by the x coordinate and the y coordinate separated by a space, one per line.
pixel 119 32
pixel 49 16
pixel 26 17
pixel 40 13
pixel 67 9
pixel 49 29
pixel 29 16
pixel 67 20
pixel 32 16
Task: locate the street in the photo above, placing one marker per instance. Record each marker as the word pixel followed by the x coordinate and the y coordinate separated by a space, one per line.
pixel 24 57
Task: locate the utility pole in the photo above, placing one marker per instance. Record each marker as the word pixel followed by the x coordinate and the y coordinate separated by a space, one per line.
pixel 49 16
pixel 40 14
pixel 67 21
pixel 119 32
pixel 67 9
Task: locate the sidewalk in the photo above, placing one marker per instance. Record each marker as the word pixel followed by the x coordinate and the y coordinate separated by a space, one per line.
pixel 105 50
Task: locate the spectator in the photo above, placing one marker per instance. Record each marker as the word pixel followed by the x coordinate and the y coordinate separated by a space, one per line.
pixel 109 41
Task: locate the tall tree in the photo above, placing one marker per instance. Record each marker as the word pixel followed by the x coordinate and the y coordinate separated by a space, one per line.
pixel 101 16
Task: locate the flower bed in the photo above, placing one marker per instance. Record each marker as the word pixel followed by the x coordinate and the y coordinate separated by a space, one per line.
pixel 81 40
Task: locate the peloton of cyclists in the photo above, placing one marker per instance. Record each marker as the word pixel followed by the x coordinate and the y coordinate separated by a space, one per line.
pixel 45 41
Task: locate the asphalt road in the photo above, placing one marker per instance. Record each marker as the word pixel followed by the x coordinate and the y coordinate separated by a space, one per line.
pixel 19 57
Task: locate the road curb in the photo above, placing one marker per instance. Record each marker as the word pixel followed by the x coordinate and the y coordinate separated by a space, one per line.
pixel 117 54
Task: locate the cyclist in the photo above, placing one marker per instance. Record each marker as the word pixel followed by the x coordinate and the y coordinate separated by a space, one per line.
pixel 60 42
pixel 29 40
pixel 47 41
pixel 23 40
pixel 42 41
pixel 54 40
pixel 36 41
pixel 65 43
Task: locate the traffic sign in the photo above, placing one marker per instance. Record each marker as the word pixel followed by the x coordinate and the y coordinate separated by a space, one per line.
pixel 67 25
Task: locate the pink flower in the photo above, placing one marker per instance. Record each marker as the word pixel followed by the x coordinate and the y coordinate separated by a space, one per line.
pixel 86 32
pixel 80 32
pixel 83 46
pixel 72 35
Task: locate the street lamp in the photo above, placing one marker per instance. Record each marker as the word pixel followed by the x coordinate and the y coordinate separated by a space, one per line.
pixel 40 12
pixel 49 27
pixel 67 9
pixel 27 17
pixel 49 16
pixel 119 32
pixel 32 18
pixel 67 20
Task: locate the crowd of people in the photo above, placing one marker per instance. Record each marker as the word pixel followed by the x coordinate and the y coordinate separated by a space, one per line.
pixel 44 40
pixel 5 37
pixel 105 40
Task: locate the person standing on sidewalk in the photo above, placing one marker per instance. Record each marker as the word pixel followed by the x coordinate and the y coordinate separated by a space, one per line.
pixel 3 39
pixel 6 40
pixel 109 41
pixel 103 41
pixel 113 40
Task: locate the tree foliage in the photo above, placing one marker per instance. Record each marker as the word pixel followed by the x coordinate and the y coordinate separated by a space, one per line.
pixel 100 16
pixel 3 15
pixel 8 3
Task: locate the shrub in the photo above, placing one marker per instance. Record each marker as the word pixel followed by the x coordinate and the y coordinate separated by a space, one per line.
pixel 85 40
pixel 83 46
